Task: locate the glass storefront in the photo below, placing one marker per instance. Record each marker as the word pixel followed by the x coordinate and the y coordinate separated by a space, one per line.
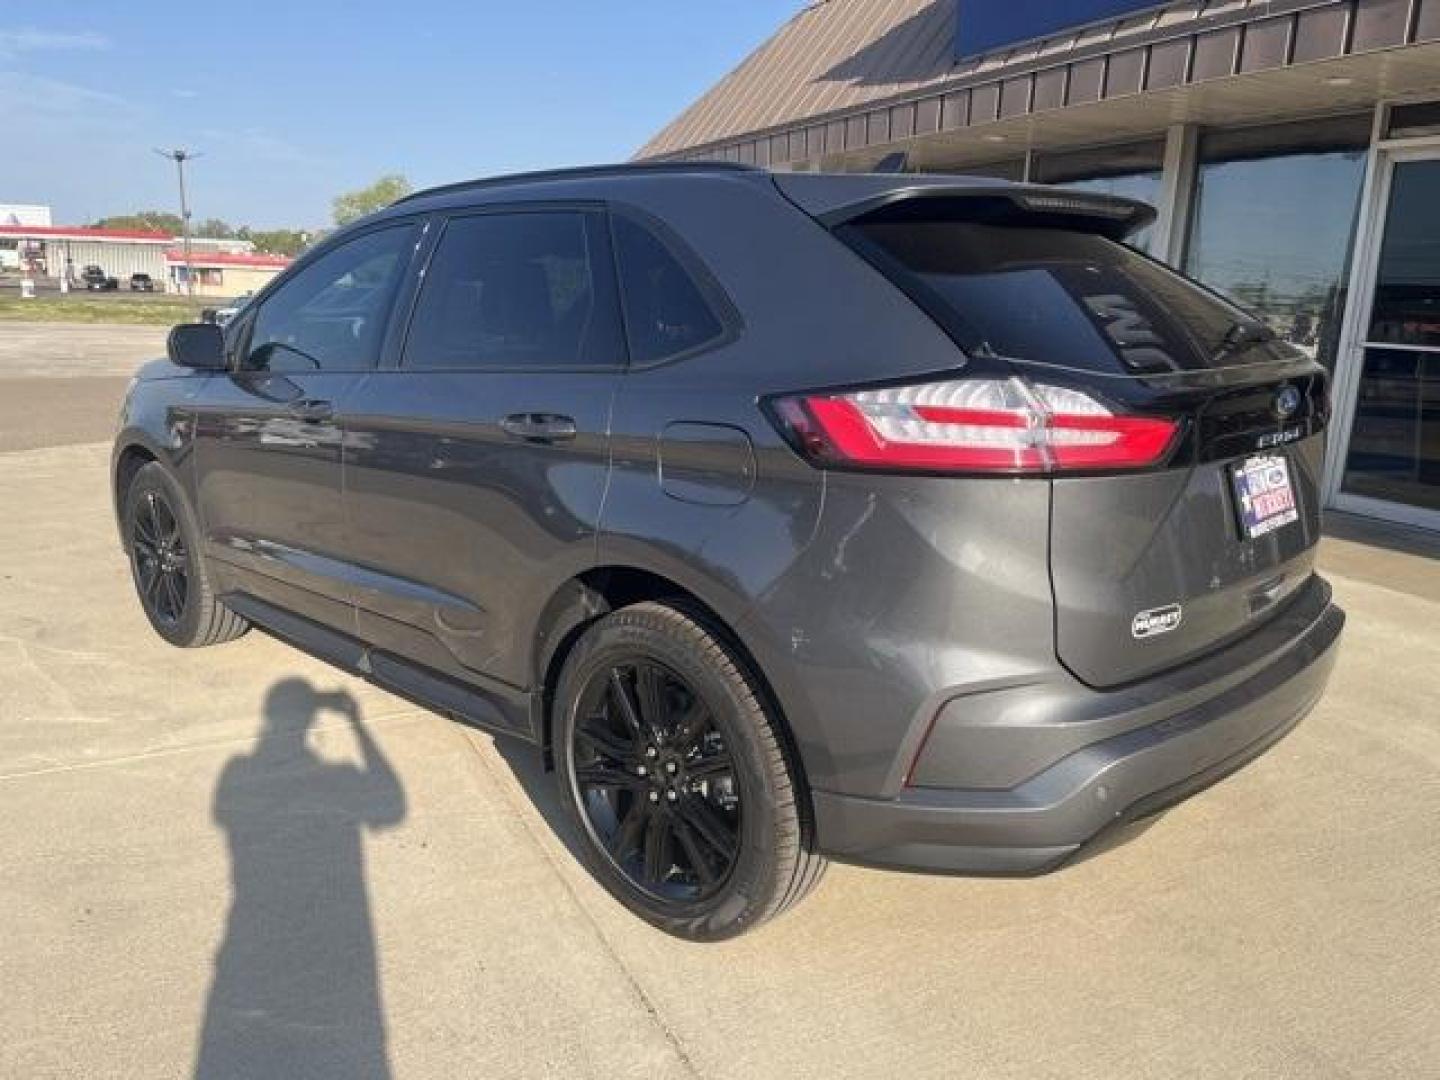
pixel 1274 219
pixel 1133 170
pixel 1272 223
pixel 1395 437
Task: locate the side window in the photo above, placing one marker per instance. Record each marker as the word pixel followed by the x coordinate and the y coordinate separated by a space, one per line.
pixel 665 311
pixel 522 289
pixel 331 315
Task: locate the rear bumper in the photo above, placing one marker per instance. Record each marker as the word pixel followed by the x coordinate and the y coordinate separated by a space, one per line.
pixel 1043 821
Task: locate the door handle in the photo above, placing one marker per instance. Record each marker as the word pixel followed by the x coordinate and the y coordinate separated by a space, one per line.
pixel 539 427
pixel 311 409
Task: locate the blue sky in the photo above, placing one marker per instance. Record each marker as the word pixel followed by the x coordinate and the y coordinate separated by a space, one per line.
pixel 293 102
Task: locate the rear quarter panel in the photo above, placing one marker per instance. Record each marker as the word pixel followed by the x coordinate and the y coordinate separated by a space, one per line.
pixel 843 588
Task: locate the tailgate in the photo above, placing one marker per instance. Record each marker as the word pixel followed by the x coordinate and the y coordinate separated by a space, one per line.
pixel 1152 570
pixel 1153 560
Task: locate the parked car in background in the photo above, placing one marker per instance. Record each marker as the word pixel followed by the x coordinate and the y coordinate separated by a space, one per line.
pixel 224 314
pixel 96 280
pixel 913 521
pixel 221 316
pixel 142 283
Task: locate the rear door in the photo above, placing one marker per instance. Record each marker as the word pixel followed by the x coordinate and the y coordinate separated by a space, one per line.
pixel 476 468
pixel 268 442
pixel 1149 567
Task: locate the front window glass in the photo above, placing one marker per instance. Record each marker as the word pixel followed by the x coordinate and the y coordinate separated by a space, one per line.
pixel 1274 219
pixel 331 315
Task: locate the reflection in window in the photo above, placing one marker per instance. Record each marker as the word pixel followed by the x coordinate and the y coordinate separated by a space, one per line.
pixel 1066 298
pixel 1014 169
pixel 330 315
pixel 515 290
pixel 1395 442
pixel 1407 286
pixel 1132 171
pixel 665 312
pixel 1275 213
pixel 1142 186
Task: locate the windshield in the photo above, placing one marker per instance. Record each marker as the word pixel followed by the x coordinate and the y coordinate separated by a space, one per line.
pixel 1071 299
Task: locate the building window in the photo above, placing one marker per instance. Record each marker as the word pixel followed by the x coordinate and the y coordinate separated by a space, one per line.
pixel 1274 220
pixel 1014 169
pixel 204 275
pixel 1395 442
pixel 1132 170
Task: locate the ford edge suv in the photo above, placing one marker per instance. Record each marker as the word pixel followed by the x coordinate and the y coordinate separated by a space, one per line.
pixel 912 521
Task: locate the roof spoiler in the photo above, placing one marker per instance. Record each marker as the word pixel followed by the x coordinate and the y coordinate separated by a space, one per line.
pixel 929 198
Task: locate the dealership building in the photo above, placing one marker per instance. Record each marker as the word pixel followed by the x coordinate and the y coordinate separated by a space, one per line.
pixel 1291 147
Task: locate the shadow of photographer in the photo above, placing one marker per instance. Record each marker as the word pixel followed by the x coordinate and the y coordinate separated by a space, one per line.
pixel 296 991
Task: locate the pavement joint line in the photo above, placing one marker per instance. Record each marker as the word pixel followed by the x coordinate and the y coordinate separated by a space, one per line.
pixel 521 807
pixel 192 748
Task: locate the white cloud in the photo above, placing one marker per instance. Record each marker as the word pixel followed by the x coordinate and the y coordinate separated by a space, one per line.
pixel 25 96
pixel 186 93
pixel 253 144
pixel 28 39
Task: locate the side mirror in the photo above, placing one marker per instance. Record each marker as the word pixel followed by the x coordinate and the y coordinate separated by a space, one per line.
pixel 197 345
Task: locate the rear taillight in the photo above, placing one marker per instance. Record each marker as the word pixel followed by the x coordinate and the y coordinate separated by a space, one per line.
pixel 970 425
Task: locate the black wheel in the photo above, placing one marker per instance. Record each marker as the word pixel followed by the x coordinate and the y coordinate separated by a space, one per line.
pixel 690 812
pixel 169 571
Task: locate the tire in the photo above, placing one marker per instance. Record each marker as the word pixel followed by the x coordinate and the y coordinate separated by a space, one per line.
pixel 697 756
pixel 171 579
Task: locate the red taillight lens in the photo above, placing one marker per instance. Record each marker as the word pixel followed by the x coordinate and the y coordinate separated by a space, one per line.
pixel 972 425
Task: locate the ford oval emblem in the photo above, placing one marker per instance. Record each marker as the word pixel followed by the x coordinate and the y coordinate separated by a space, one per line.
pixel 1287 402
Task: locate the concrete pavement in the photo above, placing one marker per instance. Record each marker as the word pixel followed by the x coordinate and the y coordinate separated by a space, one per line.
pixel 204 871
pixel 62 384
pixel 67 350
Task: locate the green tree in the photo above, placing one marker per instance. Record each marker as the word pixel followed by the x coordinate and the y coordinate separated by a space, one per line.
pixel 215 229
pixel 366 200
pixel 147 220
pixel 276 241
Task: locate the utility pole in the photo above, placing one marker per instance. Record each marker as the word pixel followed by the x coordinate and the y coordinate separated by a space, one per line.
pixel 180 156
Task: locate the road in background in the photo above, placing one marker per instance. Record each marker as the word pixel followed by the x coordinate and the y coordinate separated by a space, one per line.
pixel 62 384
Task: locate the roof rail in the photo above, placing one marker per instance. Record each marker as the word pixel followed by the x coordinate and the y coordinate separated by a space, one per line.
pixel 641 168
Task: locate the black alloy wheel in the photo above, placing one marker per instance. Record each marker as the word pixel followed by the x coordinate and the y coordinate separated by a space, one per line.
pixel 656 781
pixel 171 576
pixel 162 559
pixel 676 769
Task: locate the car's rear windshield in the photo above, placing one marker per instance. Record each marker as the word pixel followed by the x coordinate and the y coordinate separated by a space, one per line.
pixel 1066 298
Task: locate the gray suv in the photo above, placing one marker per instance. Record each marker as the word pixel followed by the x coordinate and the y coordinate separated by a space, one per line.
pixel 912 521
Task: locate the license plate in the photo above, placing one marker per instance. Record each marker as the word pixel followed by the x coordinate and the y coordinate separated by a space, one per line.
pixel 1264 495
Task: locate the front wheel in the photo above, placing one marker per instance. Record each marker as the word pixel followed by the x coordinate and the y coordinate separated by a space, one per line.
pixel 170 574
pixel 690 811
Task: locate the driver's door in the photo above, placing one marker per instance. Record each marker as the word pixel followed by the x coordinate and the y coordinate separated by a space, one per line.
pixel 267 445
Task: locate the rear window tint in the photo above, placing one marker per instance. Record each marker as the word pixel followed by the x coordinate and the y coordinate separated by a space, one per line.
pixel 665 311
pixel 1066 298
pixel 515 290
